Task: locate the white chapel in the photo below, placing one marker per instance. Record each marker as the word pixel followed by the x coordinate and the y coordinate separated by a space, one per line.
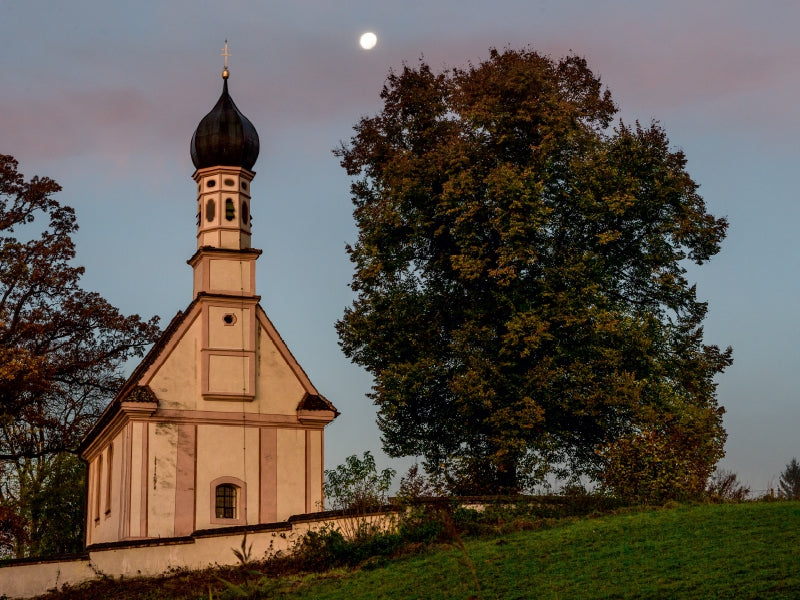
pixel 219 425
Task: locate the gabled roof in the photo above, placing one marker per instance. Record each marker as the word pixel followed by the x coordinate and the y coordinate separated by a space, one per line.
pixel 131 391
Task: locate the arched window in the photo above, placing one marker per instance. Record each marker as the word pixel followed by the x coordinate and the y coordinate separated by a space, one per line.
pixel 228 501
pixel 225 504
pixel 109 469
pixel 98 488
pixel 210 210
pixel 230 211
pixel 245 214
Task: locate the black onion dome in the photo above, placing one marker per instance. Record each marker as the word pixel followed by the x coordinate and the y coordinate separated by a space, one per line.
pixel 225 137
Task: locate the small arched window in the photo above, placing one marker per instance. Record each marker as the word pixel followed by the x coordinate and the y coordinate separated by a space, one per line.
pixel 245 214
pixel 210 210
pixel 228 501
pixel 230 211
pixel 225 504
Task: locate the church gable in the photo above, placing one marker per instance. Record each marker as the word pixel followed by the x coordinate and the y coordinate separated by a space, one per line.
pixel 248 355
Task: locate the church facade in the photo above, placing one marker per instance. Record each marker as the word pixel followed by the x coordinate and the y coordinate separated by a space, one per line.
pixel 219 425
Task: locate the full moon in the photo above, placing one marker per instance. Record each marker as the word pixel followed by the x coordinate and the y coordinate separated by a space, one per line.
pixel 368 40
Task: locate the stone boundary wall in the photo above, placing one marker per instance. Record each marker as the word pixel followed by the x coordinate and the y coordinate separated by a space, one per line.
pixel 26 578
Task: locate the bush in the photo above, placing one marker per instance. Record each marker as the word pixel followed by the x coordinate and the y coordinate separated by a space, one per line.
pixel 725 485
pixel 356 486
pixel 656 465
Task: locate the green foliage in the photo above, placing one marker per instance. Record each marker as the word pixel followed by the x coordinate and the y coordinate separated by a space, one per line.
pixel 244 553
pixel 667 461
pixel 789 483
pixel 356 486
pixel 44 499
pixel 521 295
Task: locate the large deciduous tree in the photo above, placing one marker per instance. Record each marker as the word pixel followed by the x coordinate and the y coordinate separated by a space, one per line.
pixel 521 295
pixel 61 347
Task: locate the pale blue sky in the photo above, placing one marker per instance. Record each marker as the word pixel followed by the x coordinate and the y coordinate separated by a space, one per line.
pixel 104 97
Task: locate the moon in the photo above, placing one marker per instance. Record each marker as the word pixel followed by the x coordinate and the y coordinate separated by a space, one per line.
pixel 368 40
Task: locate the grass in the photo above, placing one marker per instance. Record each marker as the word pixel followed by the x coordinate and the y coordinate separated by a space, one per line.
pixel 709 551
pixel 747 550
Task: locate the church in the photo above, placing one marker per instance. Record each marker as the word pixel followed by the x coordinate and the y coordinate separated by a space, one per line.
pixel 218 426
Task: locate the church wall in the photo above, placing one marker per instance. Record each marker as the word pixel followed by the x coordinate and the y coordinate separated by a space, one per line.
pixel 138 480
pixel 278 390
pixel 291 477
pixel 161 479
pixel 107 478
pixel 176 381
pixel 315 468
pixel 220 455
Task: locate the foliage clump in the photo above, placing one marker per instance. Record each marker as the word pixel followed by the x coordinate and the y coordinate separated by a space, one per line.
pixel 522 299
pixel 789 483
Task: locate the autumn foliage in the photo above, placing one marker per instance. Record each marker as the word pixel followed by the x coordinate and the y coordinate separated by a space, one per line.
pixel 61 347
pixel 521 299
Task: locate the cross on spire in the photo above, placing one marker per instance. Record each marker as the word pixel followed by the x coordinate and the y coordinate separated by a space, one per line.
pixel 225 54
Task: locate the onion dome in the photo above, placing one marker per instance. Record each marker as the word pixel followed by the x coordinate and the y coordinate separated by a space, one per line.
pixel 225 137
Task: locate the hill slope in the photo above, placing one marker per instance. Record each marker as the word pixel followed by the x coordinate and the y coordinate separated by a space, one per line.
pixel 741 551
pixel 738 551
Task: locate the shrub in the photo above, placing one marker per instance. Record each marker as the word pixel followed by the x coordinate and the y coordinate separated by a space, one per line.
pixel 658 464
pixel 356 486
pixel 725 485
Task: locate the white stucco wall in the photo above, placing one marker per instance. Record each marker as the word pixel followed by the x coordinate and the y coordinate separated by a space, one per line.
pixel 104 514
pixel 291 472
pixel 146 560
pixel 221 452
pixel 177 382
pixel 163 442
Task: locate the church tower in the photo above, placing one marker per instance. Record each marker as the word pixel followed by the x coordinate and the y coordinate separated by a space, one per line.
pixel 224 149
pixel 219 425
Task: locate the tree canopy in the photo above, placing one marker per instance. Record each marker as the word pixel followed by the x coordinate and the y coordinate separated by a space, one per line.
pixel 522 300
pixel 61 353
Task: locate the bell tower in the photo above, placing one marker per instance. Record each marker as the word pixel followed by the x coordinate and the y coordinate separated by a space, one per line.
pixel 224 149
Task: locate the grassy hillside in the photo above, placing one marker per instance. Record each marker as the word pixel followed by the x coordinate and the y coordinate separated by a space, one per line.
pixel 712 551
pixel 749 550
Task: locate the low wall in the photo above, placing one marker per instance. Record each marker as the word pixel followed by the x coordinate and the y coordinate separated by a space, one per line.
pixel 152 557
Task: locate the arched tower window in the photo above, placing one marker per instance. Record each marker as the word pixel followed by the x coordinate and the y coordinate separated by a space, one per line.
pixel 210 210
pixel 230 211
pixel 245 214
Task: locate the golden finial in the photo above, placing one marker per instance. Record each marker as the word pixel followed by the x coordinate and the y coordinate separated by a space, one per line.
pixel 226 54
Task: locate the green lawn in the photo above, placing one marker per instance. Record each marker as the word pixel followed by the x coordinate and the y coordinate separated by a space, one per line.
pixel 749 550
pixel 738 551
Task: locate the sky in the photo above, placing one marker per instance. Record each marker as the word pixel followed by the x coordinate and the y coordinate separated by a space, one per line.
pixel 104 97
